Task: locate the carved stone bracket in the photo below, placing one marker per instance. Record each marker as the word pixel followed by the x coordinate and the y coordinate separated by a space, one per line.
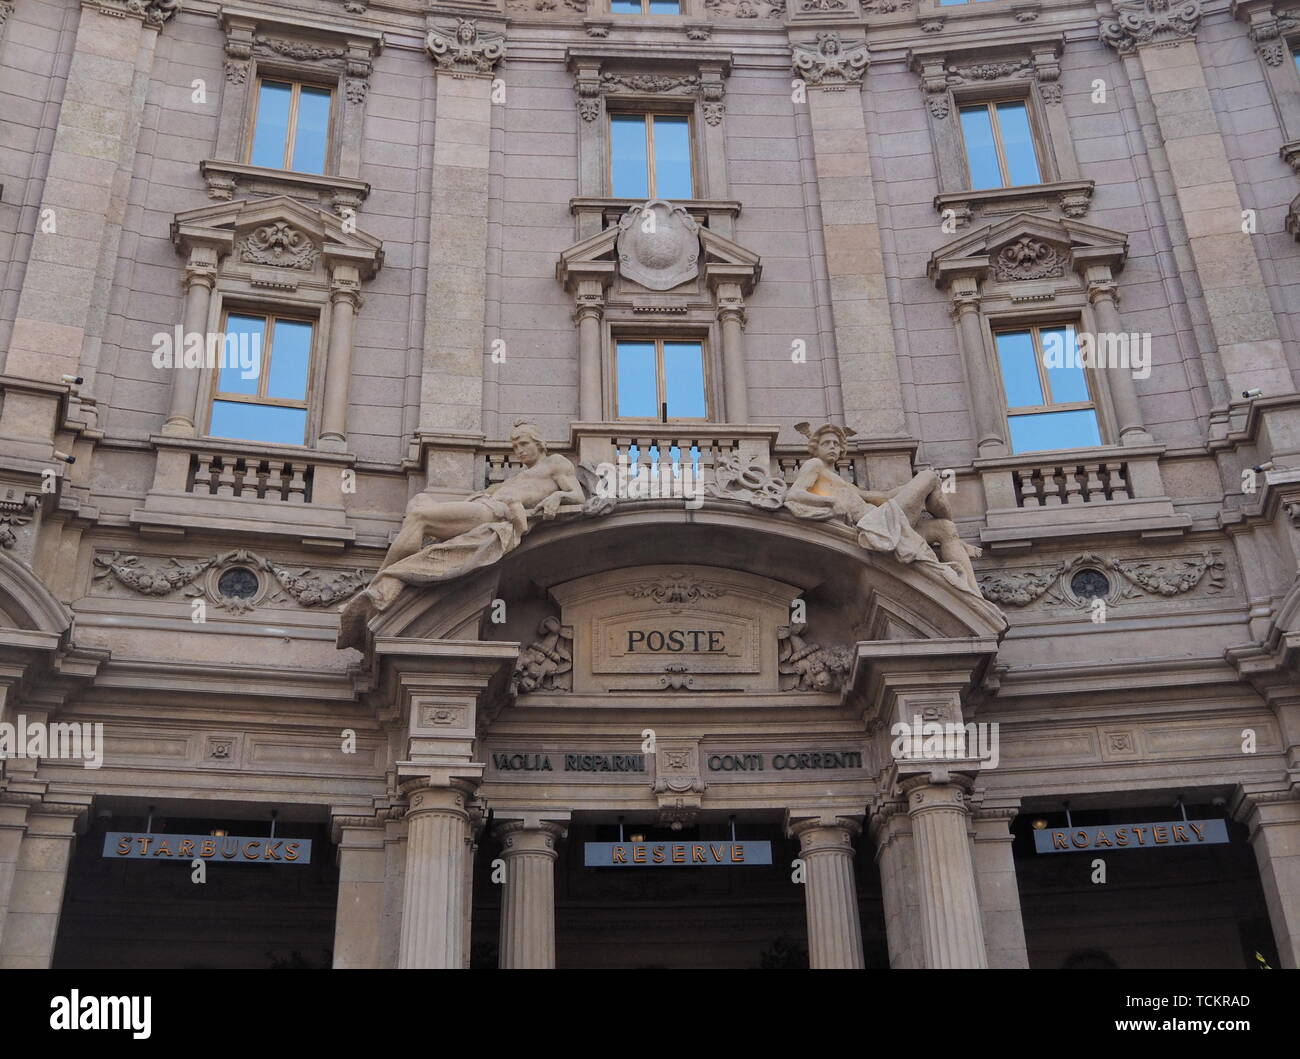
pixel 807 666
pixel 546 664
pixel 830 63
pixel 466 51
pixel 1158 22
pixel 17 509
pixel 155 13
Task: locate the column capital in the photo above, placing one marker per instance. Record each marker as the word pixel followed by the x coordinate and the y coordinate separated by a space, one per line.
pixel 439 793
pixel 800 822
pixel 465 50
pixel 531 833
pixel 1158 22
pixel 937 789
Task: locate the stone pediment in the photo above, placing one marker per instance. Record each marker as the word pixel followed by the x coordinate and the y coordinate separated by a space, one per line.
pixel 674 251
pixel 1028 247
pixel 660 627
pixel 279 233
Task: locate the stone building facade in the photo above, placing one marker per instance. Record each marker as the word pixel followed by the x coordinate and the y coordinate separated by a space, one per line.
pixel 467 214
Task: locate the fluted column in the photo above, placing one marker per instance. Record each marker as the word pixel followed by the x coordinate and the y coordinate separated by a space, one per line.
pixel 200 279
pixel 830 895
pixel 529 847
pixel 1104 296
pixel 950 912
pixel 345 300
pixel 731 315
pixel 589 313
pixel 986 404
pixel 433 899
pixel 891 829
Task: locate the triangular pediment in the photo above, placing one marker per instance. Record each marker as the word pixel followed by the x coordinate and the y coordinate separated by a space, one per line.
pixel 325 231
pixel 1072 239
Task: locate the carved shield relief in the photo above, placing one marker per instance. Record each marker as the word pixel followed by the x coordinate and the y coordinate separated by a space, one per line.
pixel 658 245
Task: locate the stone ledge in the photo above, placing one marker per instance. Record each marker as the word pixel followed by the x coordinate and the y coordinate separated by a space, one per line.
pixel 1071 197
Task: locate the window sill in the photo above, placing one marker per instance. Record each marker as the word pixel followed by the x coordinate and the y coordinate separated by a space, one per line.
pixel 246 487
pixel 1071 197
pixel 225 180
pixel 1038 497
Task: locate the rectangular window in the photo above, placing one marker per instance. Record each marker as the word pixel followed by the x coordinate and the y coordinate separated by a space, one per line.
pixel 999 142
pixel 291 128
pixel 262 377
pixel 651 374
pixel 650 156
pixel 1049 403
pixel 645 7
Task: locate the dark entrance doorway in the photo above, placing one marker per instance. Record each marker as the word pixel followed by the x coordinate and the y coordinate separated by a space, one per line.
pixel 148 914
pixel 678 917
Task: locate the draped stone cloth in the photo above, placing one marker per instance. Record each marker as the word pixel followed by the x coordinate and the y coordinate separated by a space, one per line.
pixel 449 559
pixel 886 529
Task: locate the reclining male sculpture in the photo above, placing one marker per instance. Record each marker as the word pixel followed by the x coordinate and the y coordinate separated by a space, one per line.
pixel 894 521
pixel 467 534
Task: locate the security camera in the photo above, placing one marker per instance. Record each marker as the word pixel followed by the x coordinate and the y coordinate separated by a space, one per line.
pixel 1267 465
pixel 1256 392
pixel 73 380
pixel 64 457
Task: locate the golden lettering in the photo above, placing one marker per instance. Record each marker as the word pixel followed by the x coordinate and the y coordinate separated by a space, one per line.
pixel 1200 836
pixel 1080 835
pixel 638 854
pixel 1160 834
pixel 144 841
pixel 163 849
pixel 186 848
pixel 737 854
pixel 124 846
pixel 247 847
pixel 717 854
pixel 679 854
pixel 657 855
pixel 207 848
pixel 1101 839
pixel 620 855
pixel 1179 834
pixel 1059 840
pixel 291 851
pixel 697 855
pixel 1121 837
pixel 1140 831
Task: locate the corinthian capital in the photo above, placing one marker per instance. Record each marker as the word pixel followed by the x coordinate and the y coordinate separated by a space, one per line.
pixel 1150 22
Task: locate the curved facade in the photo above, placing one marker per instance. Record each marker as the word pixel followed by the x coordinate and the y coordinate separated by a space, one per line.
pixel 638 483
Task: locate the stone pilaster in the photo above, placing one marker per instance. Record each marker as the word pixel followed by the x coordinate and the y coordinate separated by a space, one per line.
pixel 433 899
pixel 891 830
pixel 999 894
pixel 451 391
pixel 363 879
pixel 529 847
pixel 1273 818
pixel 64 300
pixel 36 836
pixel 951 927
pixel 1161 41
pixel 832 73
pixel 830 893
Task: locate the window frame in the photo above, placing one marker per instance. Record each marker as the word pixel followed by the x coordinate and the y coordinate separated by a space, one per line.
pixel 1098 402
pixel 1035 134
pixel 658 340
pixel 645 10
pixel 650 113
pixel 309 402
pixel 297 82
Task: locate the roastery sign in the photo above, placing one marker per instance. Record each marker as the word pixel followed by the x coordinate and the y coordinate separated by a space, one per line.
pixel 1131 836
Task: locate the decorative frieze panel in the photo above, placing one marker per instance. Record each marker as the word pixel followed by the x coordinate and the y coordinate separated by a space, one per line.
pixel 154 13
pixel 236 581
pixel 1078 581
